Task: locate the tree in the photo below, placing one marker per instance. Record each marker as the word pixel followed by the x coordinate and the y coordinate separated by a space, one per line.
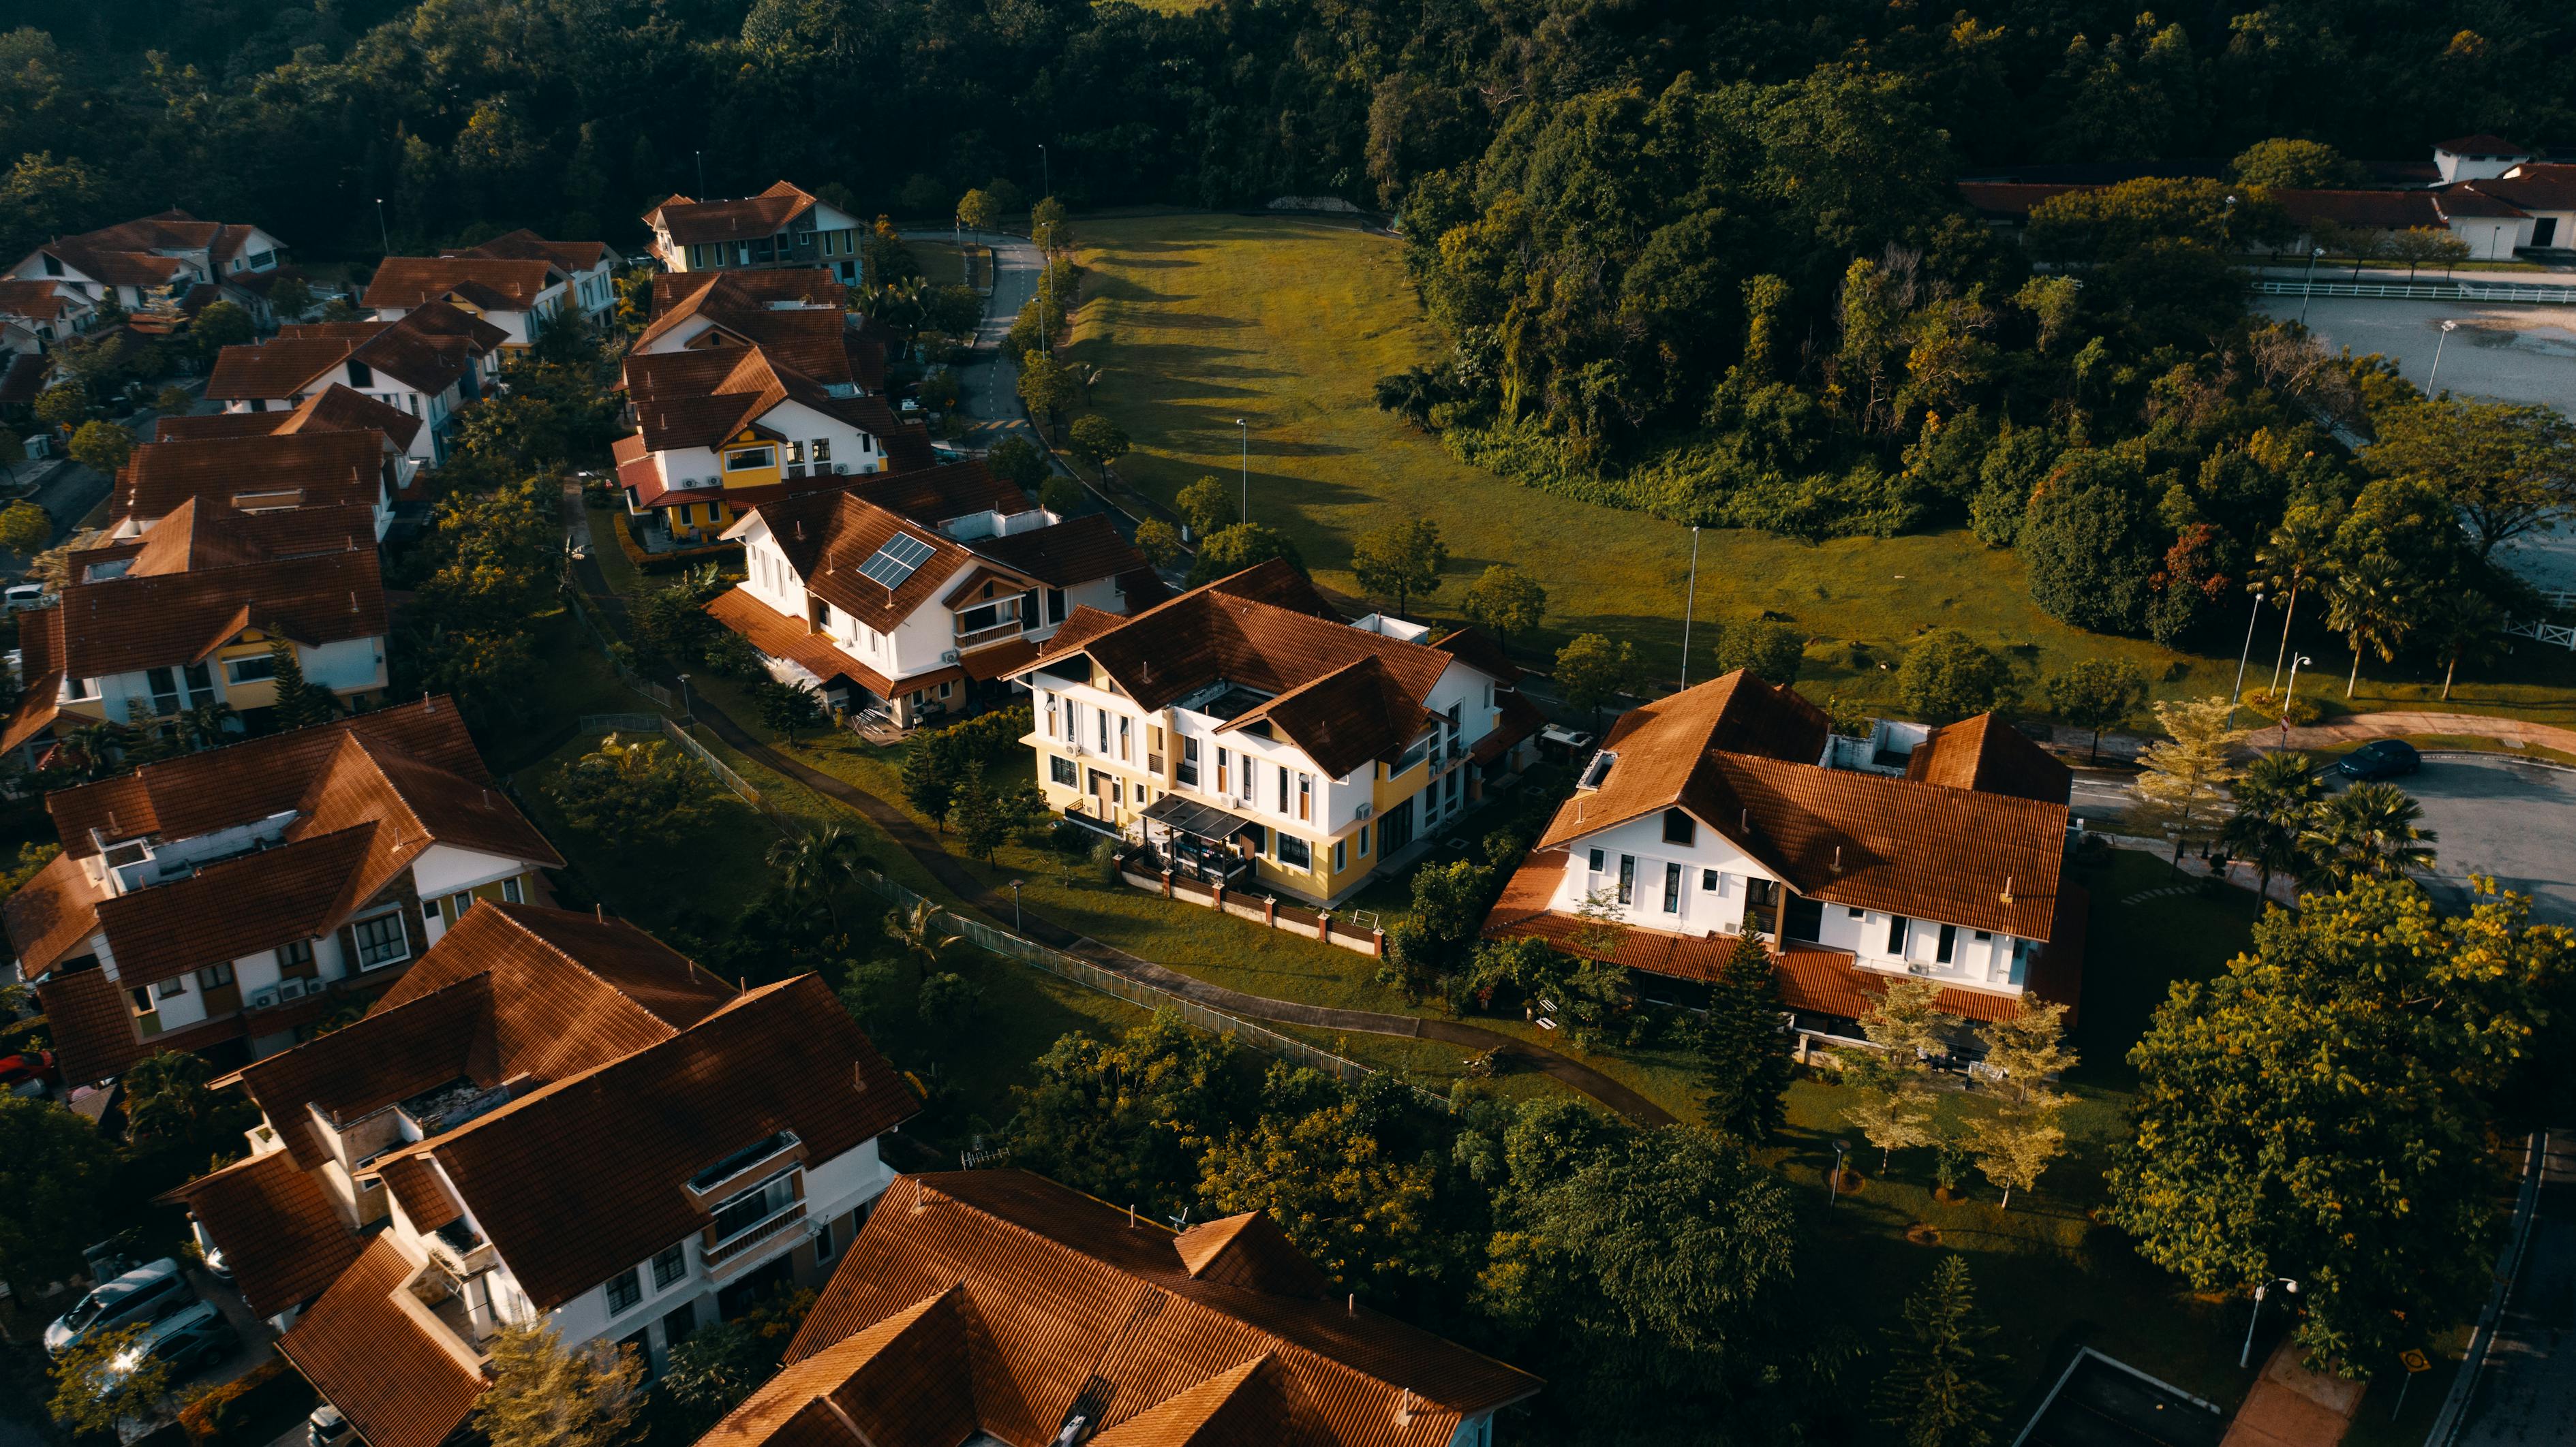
pixel 2456 626
pixel 1937 1387
pixel 2425 246
pixel 711 1371
pixel 55 1166
pixel 818 865
pixel 298 704
pixel 2273 798
pixel 987 816
pixel 1745 1053
pixel 65 404
pixel 542 1394
pixel 1503 601
pixel 639 793
pixel 1436 936
pixel 219 325
pixel 1047 223
pixel 2187 772
pixel 2095 694
pixel 1772 652
pixel 2510 469
pixel 1948 676
pixel 2026 1047
pixel 1158 540
pixel 787 707
pixel 932 772
pixel 172 400
pixel 1403 558
pixel 2296 165
pixel 2323 1110
pixel 1017 460
pixel 2089 542
pixel 1591 670
pixel 1358 1211
pixel 25 528
pixel 1231 550
pixel 1207 505
pixel 978 211
pixel 1097 441
pixel 2372 830
pixel 2371 601
pixel 2299 549
pixel 2013 1147
pixel 166 1099
pixel 948 1004
pixel 1061 494
pixel 1046 385
pixel 1903 1026
pixel 1126 1120
pixel 102 447
pixel 918 930
pixel 97 1382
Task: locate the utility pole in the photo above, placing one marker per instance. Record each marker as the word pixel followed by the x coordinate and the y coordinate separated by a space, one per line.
pixel 1046 173
pixel 1246 515
pixel 1690 605
pixel 381 229
pixel 2311 285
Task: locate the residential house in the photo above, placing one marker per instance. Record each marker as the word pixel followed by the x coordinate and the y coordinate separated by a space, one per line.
pixel 161 623
pixel 428 365
pixel 725 426
pixel 225 900
pixel 2477 158
pixel 519 283
pixel 799 317
pixel 153 265
pixel 36 314
pixel 339 448
pixel 1732 809
pixel 591 266
pixel 997 1307
pixel 1254 738
pixel 913 594
pixel 2543 192
pixel 782 226
pixel 552 1119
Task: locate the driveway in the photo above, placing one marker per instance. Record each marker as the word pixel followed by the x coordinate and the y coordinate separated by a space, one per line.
pixel 989 386
pixel 2504 817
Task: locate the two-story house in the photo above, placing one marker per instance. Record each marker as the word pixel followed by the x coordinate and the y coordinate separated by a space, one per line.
pixel 995 1306
pixel 551 1119
pixel 518 295
pixel 1249 734
pixel 224 900
pixel 590 267
pixel 338 449
pixel 782 226
pixel 36 314
pixel 430 364
pixel 798 317
pixel 1732 808
pixel 721 428
pixel 152 265
pixel 912 594
pixel 152 626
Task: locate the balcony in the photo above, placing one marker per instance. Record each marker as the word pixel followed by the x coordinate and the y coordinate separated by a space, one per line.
pixel 998 633
pixel 722 1261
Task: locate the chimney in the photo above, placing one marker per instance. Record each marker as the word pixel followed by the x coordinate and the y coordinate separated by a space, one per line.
pixel 2007 894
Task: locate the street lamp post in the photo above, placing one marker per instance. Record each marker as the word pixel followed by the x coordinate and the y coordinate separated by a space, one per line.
pixel 1246 514
pixel 1834 1182
pixel 1016 883
pixel 1046 173
pixel 2291 693
pixel 383 230
pixel 686 712
pixel 1690 605
pixel 702 174
pixel 2242 655
pixel 2311 284
pixel 2247 1354
pixel 2447 329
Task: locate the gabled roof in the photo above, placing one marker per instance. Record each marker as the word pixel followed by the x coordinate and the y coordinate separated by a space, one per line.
pixel 812 285
pixel 1988 755
pixel 114 266
pixel 934 495
pixel 1658 748
pixel 336 408
pixel 2481 144
pixel 1075 550
pixel 172 230
pixel 206 574
pixel 691 222
pixel 282 1239
pixel 309 467
pixel 2544 187
pixel 526 245
pixel 498 283
pixel 766 629
pixel 829 536
pixel 1001 1295
pixel 381 1364
pixel 39 300
pixel 429 349
pixel 702 398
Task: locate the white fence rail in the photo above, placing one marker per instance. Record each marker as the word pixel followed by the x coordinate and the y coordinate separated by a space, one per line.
pixel 2509 293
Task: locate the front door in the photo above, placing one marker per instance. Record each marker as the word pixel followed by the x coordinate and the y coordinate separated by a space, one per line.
pixel 1104 796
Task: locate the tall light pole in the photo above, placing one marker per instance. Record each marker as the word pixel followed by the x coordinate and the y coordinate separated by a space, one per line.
pixel 383 230
pixel 1245 515
pixel 1015 894
pixel 2311 284
pixel 702 174
pixel 2242 655
pixel 2447 329
pixel 1690 605
pixel 2290 695
pixel 2247 1354
pixel 1046 173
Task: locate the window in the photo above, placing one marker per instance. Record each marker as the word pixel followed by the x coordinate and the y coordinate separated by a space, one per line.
pixel 1364 841
pixel 1341 855
pixel 165 690
pixel 821 449
pixel 1896 927
pixel 295 958
pixel 1853 912
pixel 250 670
pixel 1223 759
pixel 1283 788
pixel 625 1292
pixel 1061 770
pixel 1803 919
pixel 823 1247
pixel 139 1000
pixel 976 620
pixel 1708 881
pixel 1949 943
pixel 1672 889
pixel 677 1326
pixel 1306 796
pixel 380 941
pixel 795 450
pixel 751 458
pixel 361 376
pixel 171 989
pixel 1627 877
pixel 1124 755
pixel 1679 827
pixel 1055 605
pixel 1597 864
pixel 1188 774
pixel 1293 853
pixel 1984 935
pixel 755 1206
pixel 1048 701
pixel 1411 756
pixel 670 1265
pixel 216 976
pixel 510 891
pixel 429 909
pixel 459 902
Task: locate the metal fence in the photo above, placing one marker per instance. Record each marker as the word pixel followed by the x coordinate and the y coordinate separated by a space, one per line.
pixel 2486 291
pixel 625 675
pixel 715 766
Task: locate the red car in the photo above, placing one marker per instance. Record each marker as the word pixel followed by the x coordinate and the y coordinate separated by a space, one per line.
pixel 21 1068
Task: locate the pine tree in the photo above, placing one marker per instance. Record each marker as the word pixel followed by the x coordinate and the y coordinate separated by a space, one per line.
pixel 1937 1390
pixel 544 1394
pixel 299 704
pixel 1745 1059
pixel 930 777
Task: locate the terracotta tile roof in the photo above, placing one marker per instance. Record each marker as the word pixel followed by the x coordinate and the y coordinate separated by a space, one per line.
pixel 428 350
pixel 997 660
pixel 171 230
pixel 1520 720
pixel 587 1175
pixel 1076 550
pixel 829 536
pixel 1250 1251
pixel 701 398
pixel 2482 144
pixel 51 914
pixel 94 1031
pixel 526 245
pixel 1659 747
pixel 2543 187
pixel 279 367
pixel 387 1371
pixel 891 1385
pixel 782 637
pixel 812 285
pixel 1988 755
pixel 2472 201
pixel 498 283
pixel 1061 1305
pixel 1476 647
pixel 279 1233
pixel 311 466
pixel 421 1192
pixel 399 1049
pixel 1812 978
pixel 1343 719
pixel 43 301
pixel 184 597
pixel 114 266
pixel 692 222
pixel 236 907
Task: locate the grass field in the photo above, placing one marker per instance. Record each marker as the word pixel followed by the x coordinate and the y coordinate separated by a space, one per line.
pixel 1197 320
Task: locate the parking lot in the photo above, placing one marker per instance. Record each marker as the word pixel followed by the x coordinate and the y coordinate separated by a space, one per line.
pixel 2504 817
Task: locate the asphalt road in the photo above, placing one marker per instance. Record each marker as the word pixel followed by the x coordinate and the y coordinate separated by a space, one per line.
pixel 989 385
pixel 2526 1394
pixel 2499 353
pixel 2513 820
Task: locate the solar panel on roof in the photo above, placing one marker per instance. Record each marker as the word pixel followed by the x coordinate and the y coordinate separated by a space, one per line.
pixel 894 562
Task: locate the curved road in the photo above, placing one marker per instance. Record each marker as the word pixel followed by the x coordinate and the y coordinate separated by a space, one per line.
pixel 989 385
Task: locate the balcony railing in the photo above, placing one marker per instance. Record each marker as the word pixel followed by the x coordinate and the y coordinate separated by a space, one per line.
pixel 734 1250
pixel 999 632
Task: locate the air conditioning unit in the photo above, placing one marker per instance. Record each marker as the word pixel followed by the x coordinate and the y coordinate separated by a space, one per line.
pixel 296 988
pixel 1364 810
pixel 262 999
pixel 949 657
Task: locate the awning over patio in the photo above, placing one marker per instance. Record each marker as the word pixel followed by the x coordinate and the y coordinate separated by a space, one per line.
pixel 1199 821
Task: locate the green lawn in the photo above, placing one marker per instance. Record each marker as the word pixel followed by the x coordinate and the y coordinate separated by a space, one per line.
pixel 1197 320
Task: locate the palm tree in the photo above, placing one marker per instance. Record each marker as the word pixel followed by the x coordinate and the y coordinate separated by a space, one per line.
pixel 2274 797
pixel 2296 552
pixel 2369 831
pixel 816 865
pixel 203 726
pixel 918 930
pixel 2367 602
pixel 2460 625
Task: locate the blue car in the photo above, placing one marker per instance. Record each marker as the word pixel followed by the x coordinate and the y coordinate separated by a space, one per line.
pixel 2380 759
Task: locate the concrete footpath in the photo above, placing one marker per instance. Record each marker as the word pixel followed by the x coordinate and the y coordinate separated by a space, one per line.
pixel 2291 1406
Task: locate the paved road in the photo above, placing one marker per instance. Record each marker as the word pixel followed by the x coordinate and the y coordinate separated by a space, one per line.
pixel 2499 353
pixel 2513 820
pixel 2526 1395
pixel 990 386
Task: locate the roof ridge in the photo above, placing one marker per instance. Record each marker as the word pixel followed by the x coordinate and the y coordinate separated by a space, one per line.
pixel 512 912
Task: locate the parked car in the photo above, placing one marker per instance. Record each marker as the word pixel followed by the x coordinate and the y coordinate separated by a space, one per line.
pixel 2380 759
pixel 210 1253
pixel 190 1339
pixel 145 1293
pixel 327 1428
pixel 26 1065
pixel 21 596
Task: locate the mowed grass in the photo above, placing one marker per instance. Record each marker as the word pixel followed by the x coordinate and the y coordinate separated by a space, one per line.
pixel 1285 322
